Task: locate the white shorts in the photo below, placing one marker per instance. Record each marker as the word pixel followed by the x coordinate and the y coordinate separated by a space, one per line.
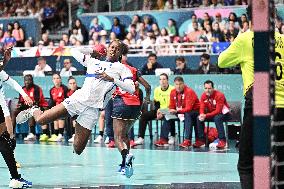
pixel 87 116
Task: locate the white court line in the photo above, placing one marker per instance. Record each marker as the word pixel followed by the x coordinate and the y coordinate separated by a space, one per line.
pixel 223 163
pixel 202 163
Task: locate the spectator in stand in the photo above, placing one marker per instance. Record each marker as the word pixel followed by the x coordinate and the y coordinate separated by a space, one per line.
pixel 216 4
pixel 232 32
pixel 73 41
pixel 129 40
pixel 205 3
pixel 72 87
pixel 65 38
pixel 160 5
pixel 48 16
pixel 151 66
pixel 45 39
pixel 148 5
pixel 36 94
pixel 206 20
pixel 217 34
pixel 229 2
pixel 141 33
pixel 194 35
pixel 103 37
pixel 133 32
pixel 147 23
pixel 148 42
pixel 165 48
pixel 208 32
pixel 243 19
pixel 18 34
pixel 220 21
pixel 95 37
pixel 164 36
pixel 28 44
pixel 41 67
pixel 241 2
pixel 81 30
pixel 95 26
pixel 9 40
pixel 67 69
pixel 161 101
pixel 190 26
pixel 112 37
pixel 185 104
pixel 117 28
pixel 181 67
pixel 10 27
pixel 205 67
pixel 62 11
pixel 75 34
pixel 245 27
pixel 171 28
pixel 233 19
pixel 213 107
pixel 57 95
pixel 156 29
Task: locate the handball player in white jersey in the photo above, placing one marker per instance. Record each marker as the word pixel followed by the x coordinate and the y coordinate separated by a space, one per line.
pixel 100 83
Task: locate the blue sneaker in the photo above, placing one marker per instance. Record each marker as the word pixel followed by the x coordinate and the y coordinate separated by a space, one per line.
pixel 121 170
pixel 129 165
pixel 27 184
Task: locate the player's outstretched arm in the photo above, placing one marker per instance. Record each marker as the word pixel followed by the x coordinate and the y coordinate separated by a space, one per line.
pixel 82 55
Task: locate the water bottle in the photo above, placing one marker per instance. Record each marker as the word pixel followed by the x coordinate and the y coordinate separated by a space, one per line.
pixel 58 66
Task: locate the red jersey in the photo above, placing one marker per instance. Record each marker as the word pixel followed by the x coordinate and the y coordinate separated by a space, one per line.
pixel 57 95
pixel 70 92
pixel 130 99
pixel 36 94
pixel 214 104
pixel 187 100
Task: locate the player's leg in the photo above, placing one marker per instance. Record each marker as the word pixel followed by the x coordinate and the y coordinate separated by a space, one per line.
pixel 83 128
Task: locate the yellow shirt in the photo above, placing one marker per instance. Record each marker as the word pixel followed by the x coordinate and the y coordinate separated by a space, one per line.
pixel 163 96
pixel 240 52
pixel 279 60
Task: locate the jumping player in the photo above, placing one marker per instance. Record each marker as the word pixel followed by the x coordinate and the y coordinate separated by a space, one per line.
pixel 101 80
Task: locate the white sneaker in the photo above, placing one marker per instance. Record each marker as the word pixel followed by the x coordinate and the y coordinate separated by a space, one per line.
pixel 71 140
pixel 59 138
pixel 99 139
pixel 139 141
pixel 171 140
pixel 14 183
pixel 30 137
pixel 25 115
pixel 107 140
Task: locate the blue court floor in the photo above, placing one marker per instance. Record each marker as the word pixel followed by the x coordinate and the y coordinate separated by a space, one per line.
pixel 56 166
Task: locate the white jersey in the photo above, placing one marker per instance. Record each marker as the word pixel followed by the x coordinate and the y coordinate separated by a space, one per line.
pixel 96 92
pixel 4 77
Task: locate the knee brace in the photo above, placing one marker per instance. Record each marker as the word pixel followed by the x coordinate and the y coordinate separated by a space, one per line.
pixel 6 141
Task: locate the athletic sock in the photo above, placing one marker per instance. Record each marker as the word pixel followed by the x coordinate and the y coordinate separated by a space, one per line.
pixel 124 153
pixel 32 129
pixel 101 133
pixel 61 131
pixel 45 131
pixel 56 132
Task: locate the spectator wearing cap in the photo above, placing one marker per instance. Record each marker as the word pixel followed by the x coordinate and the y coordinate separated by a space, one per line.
pixel 103 37
pixel 152 64
pixel 205 67
pixel 67 68
pixel 181 67
pixel 218 19
pixel 41 67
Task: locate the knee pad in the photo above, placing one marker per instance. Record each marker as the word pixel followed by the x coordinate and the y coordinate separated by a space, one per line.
pixel 6 141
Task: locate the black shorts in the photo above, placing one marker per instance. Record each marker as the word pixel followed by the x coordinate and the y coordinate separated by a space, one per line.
pixel 122 111
pixel 2 117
